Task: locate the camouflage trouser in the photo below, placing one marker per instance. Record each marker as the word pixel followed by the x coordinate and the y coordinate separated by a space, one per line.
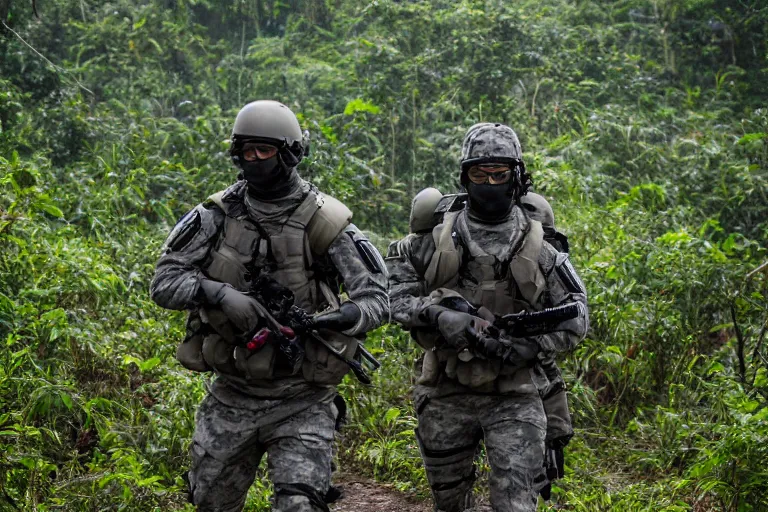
pixel 513 429
pixel 229 443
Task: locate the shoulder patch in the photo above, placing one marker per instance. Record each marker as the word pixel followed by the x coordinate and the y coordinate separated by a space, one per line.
pixel 568 276
pixel 184 231
pixel 370 256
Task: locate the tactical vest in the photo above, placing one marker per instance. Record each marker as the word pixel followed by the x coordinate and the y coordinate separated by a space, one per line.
pixel 245 247
pixel 521 290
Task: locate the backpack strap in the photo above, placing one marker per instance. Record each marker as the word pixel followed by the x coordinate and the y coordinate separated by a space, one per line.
pixel 524 265
pixel 217 199
pixel 444 265
pixel 324 217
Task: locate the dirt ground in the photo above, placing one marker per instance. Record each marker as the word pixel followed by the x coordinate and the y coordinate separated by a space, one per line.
pixel 363 495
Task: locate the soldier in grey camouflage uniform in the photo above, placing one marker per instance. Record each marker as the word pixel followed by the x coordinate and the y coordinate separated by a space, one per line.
pixel 495 256
pixel 269 223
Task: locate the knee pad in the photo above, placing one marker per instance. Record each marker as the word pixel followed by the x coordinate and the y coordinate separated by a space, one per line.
pixel 444 457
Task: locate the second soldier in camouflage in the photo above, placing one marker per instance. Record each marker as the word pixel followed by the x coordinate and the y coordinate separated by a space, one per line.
pixel 494 255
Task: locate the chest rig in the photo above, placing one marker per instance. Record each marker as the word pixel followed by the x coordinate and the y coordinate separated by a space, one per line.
pixel 509 286
pixel 282 249
pixel 504 287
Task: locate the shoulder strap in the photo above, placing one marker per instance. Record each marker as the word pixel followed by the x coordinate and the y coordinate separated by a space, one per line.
pixel 217 199
pixel 323 216
pixel 444 264
pixel 303 214
pixel 230 200
pixel 524 266
pixel 328 221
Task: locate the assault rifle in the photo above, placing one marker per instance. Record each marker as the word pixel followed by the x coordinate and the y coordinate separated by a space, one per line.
pixel 517 325
pixel 286 323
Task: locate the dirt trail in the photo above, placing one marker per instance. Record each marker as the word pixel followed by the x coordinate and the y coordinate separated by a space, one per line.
pixel 363 495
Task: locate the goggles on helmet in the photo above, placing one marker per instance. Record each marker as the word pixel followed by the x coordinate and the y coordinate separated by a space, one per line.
pixel 253 151
pixel 494 174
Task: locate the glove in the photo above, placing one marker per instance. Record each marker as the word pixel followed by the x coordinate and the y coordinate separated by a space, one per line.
pixel 485 345
pixel 520 350
pixel 454 326
pixel 237 306
pixel 517 351
pixel 346 317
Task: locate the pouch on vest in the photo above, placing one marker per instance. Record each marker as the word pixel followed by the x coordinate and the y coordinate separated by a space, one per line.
pixel 190 351
pixel 430 369
pixel 219 354
pixel 425 337
pixel 257 365
pixel 200 350
pixel 478 374
pixel 322 367
pixel 558 417
pixel 236 247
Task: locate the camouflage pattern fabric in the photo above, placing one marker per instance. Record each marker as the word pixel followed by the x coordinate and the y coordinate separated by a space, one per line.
pixel 179 270
pixel 290 419
pixel 509 415
pixel 408 259
pixel 513 430
pixel 229 443
pixel 490 141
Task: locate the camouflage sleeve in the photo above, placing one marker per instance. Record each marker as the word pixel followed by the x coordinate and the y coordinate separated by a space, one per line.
pixel 364 277
pixel 177 274
pixel 406 261
pixel 564 287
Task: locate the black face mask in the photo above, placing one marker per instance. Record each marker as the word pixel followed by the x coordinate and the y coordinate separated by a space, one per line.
pixel 489 202
pixel 263 174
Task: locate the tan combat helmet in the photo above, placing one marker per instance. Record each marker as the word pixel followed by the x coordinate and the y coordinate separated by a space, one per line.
pixel 273 123
pixel 538 209
pixel 267 119
pixel 423 210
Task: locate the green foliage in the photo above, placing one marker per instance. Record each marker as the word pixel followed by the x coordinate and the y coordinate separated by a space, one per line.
pixel 644 122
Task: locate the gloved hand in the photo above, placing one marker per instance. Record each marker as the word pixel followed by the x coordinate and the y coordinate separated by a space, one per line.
pixel 346 317
pixel 516 351
pixel 485 345
pixel 454 326
pixel 520 350
pixel 239 307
